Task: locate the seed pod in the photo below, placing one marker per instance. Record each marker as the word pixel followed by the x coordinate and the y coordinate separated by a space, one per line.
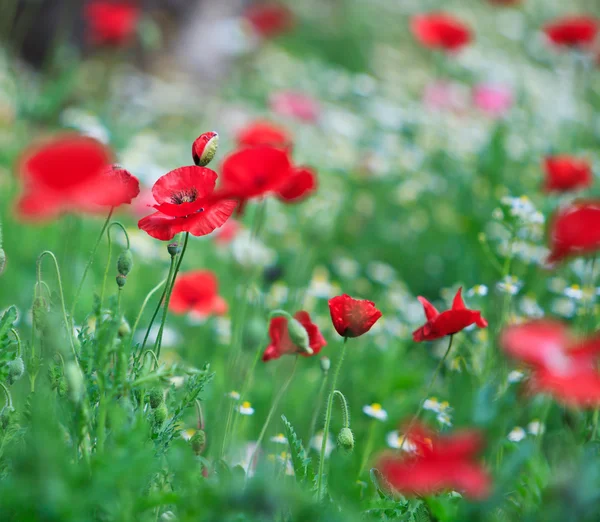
pixel 173 249
pixel 121 280
pixel 124 330
pixel 299 335
pixel 155 397
pixel 125 262
pixel 16 369
pixel 160 414
pixel 204 148
pixel 40 313
pixel 198 441
pixel 345 439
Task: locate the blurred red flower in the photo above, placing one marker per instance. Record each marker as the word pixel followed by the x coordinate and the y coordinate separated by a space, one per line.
pixel 564 173
pixel 70 173
pixel 352 317
pixel 448 322
pixel 301 183
pixel 264 133
pixel 295 105
pixel 440 31
pixel 185 204
pixel 197 292
pixel 572 31
pixel 575 230
pixel 226 234
pixel 269 20
pixel 281 344
pixel 111 22
pixel 438 464
pixel 563 366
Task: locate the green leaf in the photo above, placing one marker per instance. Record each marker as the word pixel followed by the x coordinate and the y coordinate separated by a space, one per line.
pixel 300 462
pixel 7 321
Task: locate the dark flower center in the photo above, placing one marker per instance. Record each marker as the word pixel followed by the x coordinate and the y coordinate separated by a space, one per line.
pixel 184 196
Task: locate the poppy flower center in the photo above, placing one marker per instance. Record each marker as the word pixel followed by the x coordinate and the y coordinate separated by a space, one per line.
pixel 184 196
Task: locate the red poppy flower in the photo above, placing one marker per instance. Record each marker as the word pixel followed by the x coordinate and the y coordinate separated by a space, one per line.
pixel 197 292
pixel 572 31
pixel 64 174
pixel 352 317
pixel 440 31
pixel 448 322
pixel 185 205
pixel 125 187
pixel 575 230
pixel 110 22
pixel 295 105
pixel 563 366
pixel 438 464
pixel 564 173
pixel 301 183
pixel 281 344
pixel 204 148
pixel 269 20
pixel 264 133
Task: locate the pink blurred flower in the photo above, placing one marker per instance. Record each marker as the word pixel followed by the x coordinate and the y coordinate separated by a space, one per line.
pixel 443 96
pixel 493 100
pixel 295 105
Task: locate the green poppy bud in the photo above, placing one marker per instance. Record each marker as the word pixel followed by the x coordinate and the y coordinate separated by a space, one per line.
pixel 16 369
pixel 173 249
pixel 345 439
pixel 121 280
pixel 198 441
pixel 125 262
pixel 160 415
pixel 40 313
pixel 299 335
pixel 325 364
pixel 124 329
pixel 155 397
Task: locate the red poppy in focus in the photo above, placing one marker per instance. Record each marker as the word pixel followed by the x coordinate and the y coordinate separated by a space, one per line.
pixel 295 105
pixel 204 148
pixel 352 317
pixel 563 366
pixel 440 31
pixel 197 292
pixel 264 133
pixel 438 464
pixel 125 187
pixel 572 31
pixel 564 173
pixel 301 183
pixel 448 322
pixel 269 20
pixel 185 204
pixel 111 22
pixel 281 343
pixel 64 174
pixel 575 230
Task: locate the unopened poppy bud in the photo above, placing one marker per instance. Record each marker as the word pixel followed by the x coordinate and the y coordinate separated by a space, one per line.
pixel 124 330
pixel 39 312
pixel 325 364
pixel 345 439
pixel 173 249
pixel 205 148
pixel 198 441
pixel 74 381
pixel 2 260
pixel 160 415
pixel 125 262
pixel 297 332
pixel 155 397
pixel 121 280
pixel 16 369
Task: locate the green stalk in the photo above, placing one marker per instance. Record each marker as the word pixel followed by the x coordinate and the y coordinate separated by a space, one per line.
pixel 328 420
pixel 313 422
pixel 116 223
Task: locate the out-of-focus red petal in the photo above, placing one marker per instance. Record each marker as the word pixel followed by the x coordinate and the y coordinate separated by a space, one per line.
pixel 302 183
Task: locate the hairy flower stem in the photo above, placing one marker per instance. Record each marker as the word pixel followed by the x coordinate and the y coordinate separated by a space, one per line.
pixel 117 224
pixel 274 406
pixel 9 403
pixel 89 263
pixel 368 447
pixel 428 391
pixel 159 304
pixel 168 298
pixel 344 407
pixel 328 420
pixel 313 422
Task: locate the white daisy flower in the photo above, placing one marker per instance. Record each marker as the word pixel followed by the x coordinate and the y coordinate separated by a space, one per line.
pixel 574 292
pixel 517 434
pixel 535 427
pixel 317 440
pixel 376 411
pixel 530 307
pixel 246 408
pixel 233 395
pixel 432 404
pixel 480 290
pixel 444 419
pixel 280 438
pixel 515 376
pixel 564 307
pixel 509 285
pixel 394 440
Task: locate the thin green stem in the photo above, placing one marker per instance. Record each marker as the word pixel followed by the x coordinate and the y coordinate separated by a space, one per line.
pixel 274 406
pixel 313 422
pixel 150 294
pixel 16 334
pixel 344 406
pixel 62 297
pixel 9 403
pixel 89 263
pixel 368 447
pixel 168 298
pixel 428 391
pixel 114 224
pixel 328 420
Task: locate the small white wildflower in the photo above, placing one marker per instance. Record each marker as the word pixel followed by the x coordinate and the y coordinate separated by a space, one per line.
pixel 444 419
pixel 394 440
pixel 530 307
pixel 280 438
pixel 233 395
pixel 432 404
pixel 574 292
pixel 246 408
pixel 564 307
pixel 376 411
pixel 517 434
pixel 480 290
pixel 509 285
pixel 535 427
pixel 515 376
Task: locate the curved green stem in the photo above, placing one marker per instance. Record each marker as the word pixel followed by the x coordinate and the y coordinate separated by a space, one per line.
pixel 344 406
pixel 89 263
pixel 62 297
pixel 114 224
pixel 9 403
pixel 150 294
pixel 274 405
pixel 328 421
pixel 16 334
pixel 428 391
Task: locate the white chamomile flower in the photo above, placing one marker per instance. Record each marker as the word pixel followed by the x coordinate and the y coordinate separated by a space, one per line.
pixel 246 408
pixel 530 307
pixel 515 376
pixel 564 307
pixel 376 411
pixel 280 438
pixel 432 404
pixel 535 427
pixel 394 440
pixel 517 434
pixel 574 292
pixel 233 395
pixel 444 418
pixel 479 290
pixel 317 441
pixel 509 285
